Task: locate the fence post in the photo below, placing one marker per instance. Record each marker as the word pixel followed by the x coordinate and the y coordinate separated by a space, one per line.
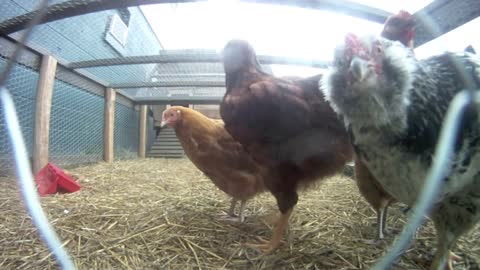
pixel 43 108
pixel 143 131
pixel 109 125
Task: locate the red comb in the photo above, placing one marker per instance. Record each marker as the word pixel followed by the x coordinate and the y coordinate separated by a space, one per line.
pixel 351 40
pixel 404 14
pixel 354 46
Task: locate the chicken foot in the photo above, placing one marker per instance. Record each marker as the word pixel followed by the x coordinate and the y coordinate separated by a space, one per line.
pixel 437 261
pixel 444 257
pixel 267 247
pixel 381 226
pixel 231 216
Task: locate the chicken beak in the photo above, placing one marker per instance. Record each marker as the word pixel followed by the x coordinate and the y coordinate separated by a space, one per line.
pixel 358 69
pixel 163 123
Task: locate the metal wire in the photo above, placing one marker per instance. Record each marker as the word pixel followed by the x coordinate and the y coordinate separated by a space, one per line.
pixel 441 166
pixel 126 134
pixel 25 178
pixel 24 173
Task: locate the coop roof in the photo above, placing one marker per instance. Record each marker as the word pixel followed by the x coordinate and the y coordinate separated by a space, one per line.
pixel 146 64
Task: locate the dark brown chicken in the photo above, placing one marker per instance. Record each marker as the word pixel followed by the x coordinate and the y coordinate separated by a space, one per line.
pixel 286 125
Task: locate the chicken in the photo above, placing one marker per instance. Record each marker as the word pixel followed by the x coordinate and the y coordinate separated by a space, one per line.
pixel 375 195
pixel 400 27
pixel 397 27
pixel 470 49
pixel 286 125
pixel 214 152
pixel 394 106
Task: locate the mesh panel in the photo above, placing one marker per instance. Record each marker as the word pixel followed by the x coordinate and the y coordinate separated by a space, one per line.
pixel 76 125
pixel 22 83
pixel 126 132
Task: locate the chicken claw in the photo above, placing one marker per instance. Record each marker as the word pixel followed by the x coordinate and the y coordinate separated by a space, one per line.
pixel 374 242
pixel 266 246
pixel 452 258
pixel 231 216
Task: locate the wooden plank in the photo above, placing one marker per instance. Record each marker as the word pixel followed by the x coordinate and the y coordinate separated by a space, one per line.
pixel 109 125
pixel 142 144
pixel 43 108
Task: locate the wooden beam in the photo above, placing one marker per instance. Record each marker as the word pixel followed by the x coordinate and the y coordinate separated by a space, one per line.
pixel 109 125
pixel 142 144
pixel 43 108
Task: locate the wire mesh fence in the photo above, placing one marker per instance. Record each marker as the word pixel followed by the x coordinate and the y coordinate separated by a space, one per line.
pixel 76 133
pixel 22 84
pixel 126 135
pixel 77 117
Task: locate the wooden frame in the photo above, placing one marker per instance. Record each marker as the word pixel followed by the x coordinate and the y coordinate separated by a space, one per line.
pixel 142 144
pixel 109 125
pixel 43 108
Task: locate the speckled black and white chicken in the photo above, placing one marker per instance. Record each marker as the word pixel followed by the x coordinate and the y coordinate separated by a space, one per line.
pixel 394 105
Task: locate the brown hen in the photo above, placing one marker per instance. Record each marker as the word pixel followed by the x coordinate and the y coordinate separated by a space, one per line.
pixel 214 152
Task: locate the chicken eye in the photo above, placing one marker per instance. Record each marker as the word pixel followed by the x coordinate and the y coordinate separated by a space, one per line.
pixel 378 49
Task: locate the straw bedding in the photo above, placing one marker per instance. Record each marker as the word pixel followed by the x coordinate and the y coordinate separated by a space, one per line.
pixel 165 214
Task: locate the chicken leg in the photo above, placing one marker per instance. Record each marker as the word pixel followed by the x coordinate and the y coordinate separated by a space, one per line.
pixel 381 226
pixel 231 216
pixel 241 213
pixel 231 211
pixel 444 260
pixel 449 227
pixel 266 247
pixel 381 222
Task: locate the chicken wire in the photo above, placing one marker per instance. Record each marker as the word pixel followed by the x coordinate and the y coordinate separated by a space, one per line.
pixel 128 116
pixel 22 83
pixel 126 133
pixel 76 125
pixel 77 115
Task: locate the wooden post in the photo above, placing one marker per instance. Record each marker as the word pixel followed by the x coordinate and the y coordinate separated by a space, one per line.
pixel 109 125
pixel 142 144
pixel 43 108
